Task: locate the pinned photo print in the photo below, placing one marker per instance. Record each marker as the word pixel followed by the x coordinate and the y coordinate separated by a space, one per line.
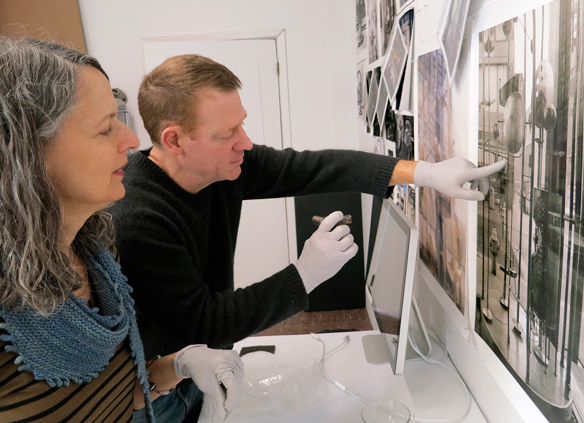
pixel 361 91
pixel 386 21
pixel 453 32
pixel 411 207
pixel 381 101
pixel 372 30
pixel 395 63
pixel 400 197
pixel 442 220
pixel 389 123
pixel 406 23
pixel 379 147
pixel 372 98
pixel 404 135
pixel 390 148
pixel 361 27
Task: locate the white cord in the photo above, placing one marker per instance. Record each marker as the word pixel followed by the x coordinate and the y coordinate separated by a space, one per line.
pixel 432 361
pixel 346 340
pixel 326 356
pixel 442 358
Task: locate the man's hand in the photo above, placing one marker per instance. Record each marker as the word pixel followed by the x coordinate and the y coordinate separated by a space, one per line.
pixel 325 252
pixel 218 373
pixel 449 176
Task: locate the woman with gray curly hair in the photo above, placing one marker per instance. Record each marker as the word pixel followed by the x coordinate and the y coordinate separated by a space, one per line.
pixel 69 343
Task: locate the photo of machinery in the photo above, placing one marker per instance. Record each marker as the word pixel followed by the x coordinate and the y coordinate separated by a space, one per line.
pixel 530 251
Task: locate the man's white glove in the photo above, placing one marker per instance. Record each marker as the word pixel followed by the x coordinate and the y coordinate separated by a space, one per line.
pixel 218 373
pixel 325 252
pixel 449 176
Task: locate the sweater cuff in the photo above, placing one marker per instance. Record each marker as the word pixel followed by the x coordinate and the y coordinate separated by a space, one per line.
pixel 294 287
pixel 383 172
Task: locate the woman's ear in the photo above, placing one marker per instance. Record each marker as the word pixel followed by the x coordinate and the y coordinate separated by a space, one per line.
pixel 171 139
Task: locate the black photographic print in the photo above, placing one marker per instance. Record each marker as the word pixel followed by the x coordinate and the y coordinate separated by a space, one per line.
pixel 405 135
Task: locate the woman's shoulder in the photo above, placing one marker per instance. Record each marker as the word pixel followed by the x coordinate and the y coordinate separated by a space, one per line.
pixel 106 398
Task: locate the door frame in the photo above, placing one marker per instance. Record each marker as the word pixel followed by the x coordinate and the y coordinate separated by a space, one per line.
pixel 279 37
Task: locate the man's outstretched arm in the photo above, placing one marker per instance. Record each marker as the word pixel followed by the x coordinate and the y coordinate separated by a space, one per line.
pixel 448 176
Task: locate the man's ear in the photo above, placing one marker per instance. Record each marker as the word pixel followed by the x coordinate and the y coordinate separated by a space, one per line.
pixel 171 139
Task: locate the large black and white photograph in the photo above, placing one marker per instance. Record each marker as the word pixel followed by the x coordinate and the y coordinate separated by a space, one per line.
pixel 404 137
pixel 372 30
pixel 387 14
pixel 395 63
pixel 530 249
pixel 361 26
pixel 452 33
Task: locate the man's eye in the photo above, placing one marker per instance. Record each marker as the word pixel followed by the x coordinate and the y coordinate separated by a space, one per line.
pixel 107 131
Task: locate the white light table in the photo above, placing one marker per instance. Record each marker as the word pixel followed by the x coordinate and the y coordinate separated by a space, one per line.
pixel 431 392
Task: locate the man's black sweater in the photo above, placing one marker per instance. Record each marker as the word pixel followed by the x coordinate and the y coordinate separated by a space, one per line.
pixel 177 248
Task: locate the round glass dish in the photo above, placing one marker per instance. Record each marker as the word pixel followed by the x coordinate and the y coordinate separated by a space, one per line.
pixel 385 411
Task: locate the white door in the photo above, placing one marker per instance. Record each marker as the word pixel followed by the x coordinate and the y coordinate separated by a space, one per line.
pixel 262 246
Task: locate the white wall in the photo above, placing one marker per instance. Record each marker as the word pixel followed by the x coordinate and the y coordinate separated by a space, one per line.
pixel 320 52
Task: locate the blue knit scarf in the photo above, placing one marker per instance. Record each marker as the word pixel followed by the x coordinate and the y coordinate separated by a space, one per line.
pixel 76 342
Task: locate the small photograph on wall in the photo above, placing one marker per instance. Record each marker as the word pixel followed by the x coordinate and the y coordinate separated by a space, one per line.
pixel 386 20
pixel 379 147
pixel 361 91
pixel 361 27
pixel 406 23
pixel 372 98
pixel 389 123
pixel 404 138
pixel 452 33
pixel 441 219
pixel 376 124
pixel 368 76
pixel 530 233
pixel 381 101
pixel 395 63
pixel 400 197
pixel 390 148
pixel 372 27
pixel 411 207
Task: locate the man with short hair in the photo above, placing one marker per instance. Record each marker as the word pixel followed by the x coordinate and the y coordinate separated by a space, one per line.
pixel 177 225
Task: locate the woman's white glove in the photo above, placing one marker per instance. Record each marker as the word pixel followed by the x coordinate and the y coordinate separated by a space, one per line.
pixel 449 176
pixel 325 252
pixel 218 373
